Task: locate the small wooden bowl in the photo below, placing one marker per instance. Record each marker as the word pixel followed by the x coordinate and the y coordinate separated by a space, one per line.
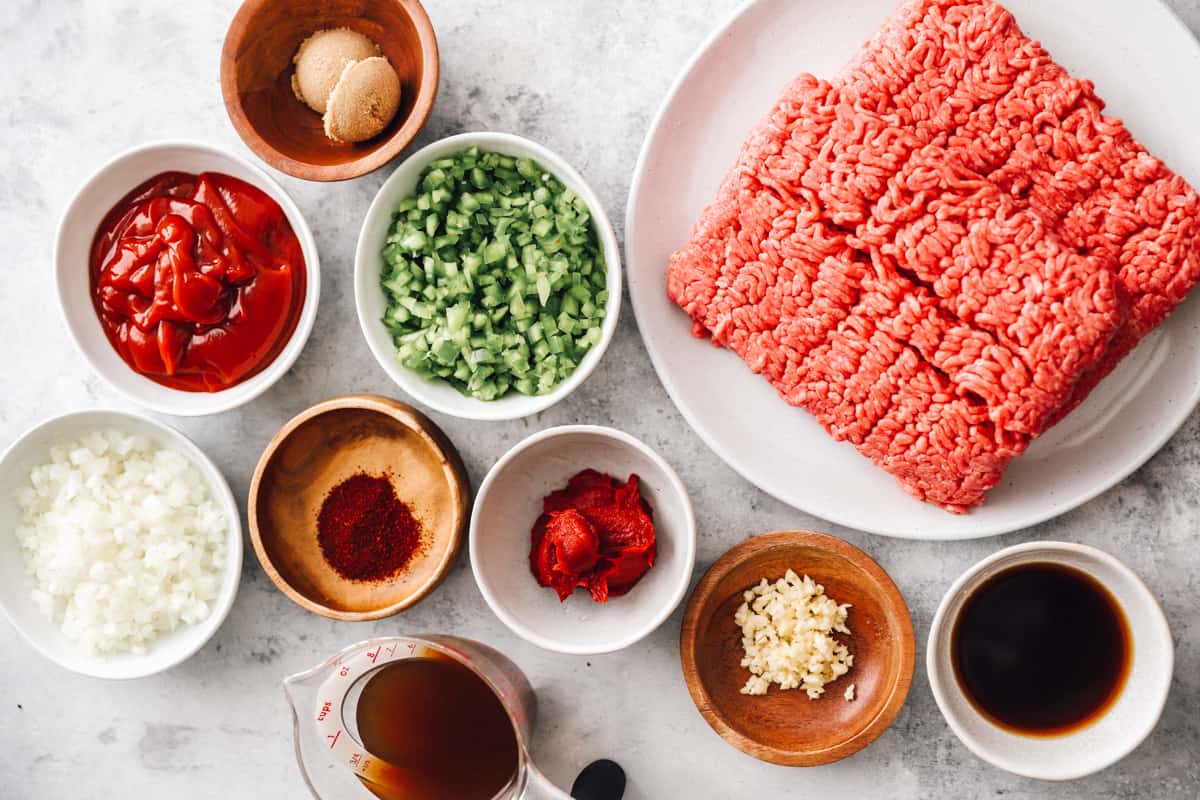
pixel 256 82
pixel 785 727
pixel 318 449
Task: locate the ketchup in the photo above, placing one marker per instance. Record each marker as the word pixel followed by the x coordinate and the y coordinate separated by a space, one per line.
pixel 198 280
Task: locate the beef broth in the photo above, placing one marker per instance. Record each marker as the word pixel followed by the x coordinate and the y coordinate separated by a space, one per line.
pixel 442 730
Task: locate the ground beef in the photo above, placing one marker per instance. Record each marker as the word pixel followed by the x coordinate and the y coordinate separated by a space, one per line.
pixel 943 250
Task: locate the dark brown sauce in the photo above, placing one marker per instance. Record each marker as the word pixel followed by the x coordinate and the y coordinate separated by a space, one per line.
pixel 443 728
pixel 1041 649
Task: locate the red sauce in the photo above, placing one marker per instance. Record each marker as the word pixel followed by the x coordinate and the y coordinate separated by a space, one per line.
pixel 198 280
pixel 596 534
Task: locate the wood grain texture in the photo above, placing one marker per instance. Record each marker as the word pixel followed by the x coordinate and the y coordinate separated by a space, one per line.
pixel 256 74
pixel 323 446
pixel 785 727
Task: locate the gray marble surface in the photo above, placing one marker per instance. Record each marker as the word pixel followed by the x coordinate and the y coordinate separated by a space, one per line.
pixel 89 79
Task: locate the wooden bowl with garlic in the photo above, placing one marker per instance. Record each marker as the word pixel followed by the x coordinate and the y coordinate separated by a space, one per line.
pixel 858 608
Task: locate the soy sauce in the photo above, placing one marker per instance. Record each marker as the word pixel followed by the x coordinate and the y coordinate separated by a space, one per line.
pixel 1041 649
pixel 442 728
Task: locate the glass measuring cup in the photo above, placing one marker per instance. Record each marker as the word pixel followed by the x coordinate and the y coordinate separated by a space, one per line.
pixel 324 699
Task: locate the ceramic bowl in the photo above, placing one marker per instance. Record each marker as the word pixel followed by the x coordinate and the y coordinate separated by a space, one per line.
pixel 73 267
pixel 256 75
pixel 368 266
pixel 15 585
pixel 1110 737
pixel 510 501
pixel 785 727
pixel 318 449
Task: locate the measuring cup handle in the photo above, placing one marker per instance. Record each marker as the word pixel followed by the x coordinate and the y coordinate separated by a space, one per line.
pixel 539 787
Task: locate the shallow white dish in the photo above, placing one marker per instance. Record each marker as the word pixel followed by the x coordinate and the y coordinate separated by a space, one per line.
pixel 1106 740
pixel 510 500
pixel 368 265
pixel 1135 55
pixel 15 585
pixel 72 254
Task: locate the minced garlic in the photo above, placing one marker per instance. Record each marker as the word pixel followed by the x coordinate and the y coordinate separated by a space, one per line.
pixel 787 629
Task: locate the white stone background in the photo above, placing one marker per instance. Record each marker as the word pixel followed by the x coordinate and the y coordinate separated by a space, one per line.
pixel 89 79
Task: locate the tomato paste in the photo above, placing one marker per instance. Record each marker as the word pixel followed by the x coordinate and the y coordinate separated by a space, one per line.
pixel 198 280
pixel 596 534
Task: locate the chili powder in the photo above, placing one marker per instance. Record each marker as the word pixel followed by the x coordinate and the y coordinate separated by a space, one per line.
pixel 365 531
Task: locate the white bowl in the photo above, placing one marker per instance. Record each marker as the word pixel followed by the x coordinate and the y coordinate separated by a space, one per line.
pixel 15 585
pixel 510 500
pixel 1101 743
pixel 72 263
pixel 368 266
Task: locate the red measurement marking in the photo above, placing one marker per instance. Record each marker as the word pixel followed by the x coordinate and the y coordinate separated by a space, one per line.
pixel 344 671
pixel 333 739
pixel 374 655
pixel 412 648
pixel 391 651
pixel 326 707
pixel 356 759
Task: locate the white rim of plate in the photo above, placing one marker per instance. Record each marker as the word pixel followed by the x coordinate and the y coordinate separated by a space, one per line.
pixel 689 554
pixel 1152 446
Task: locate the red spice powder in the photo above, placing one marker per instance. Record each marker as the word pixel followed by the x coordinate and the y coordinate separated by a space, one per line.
pixel 365 531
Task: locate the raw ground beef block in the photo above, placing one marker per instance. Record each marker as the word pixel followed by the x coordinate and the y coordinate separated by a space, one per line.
pixel 1148 219
pixel 889 107
pixel 993 265
pixel 849 381
pixel 1018 393
pixel 942 448
pixel 749 229
pixel 910 420
pixel 765 280
pixel 879 393
pixel 1085 176
pixel 941 251
pixel 930 59
pixel 997 130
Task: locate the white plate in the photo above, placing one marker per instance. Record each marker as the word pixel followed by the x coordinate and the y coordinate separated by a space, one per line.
pixel 1143 61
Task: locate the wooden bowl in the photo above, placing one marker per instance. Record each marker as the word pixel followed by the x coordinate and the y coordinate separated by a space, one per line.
pixel 785 727
pixel 256 75
pixel 323 446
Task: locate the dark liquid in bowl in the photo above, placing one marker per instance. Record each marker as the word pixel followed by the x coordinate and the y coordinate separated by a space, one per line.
pixel 1041 649
pixel 442 729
